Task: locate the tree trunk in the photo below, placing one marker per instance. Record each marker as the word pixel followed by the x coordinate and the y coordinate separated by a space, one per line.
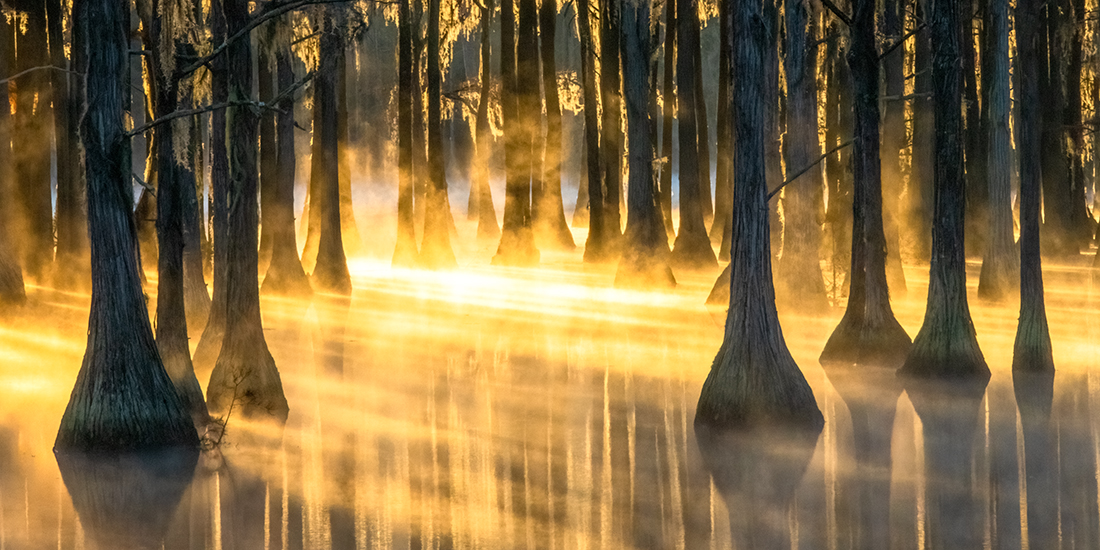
pixel 644 261
pixel 330 273
pixel 1056 171
pixel 519 74
pixel 244 376
pixel 32 147
pixel 894 139
pixel 838 167
pixel 72 227
pixel 196 297
pixel 406 253
pixel 799 267
pixel 268 154
pixel 946 345
pixel 611 131
pixel 12 291
pixel 349 229
pixel 703 129
pixel 488 230
pixel 435 248
pixel 868 334
pixel 692 247
pixel 1080 220
pixel 171 318
pixel 123 398
pixel 597 247
pixel 922 172
pixel 754 380
pixel 723 180
pixel 550 212
pixel 1001 263
pixel 210 344
pixel 285 276
pixel 1031 351
pixel 977 184
pixel 669 116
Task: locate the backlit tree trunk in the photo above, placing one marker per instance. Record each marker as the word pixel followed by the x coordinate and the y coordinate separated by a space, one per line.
pixel 550 213
pixel 723 179
pixel 597 247
pixel 12 290
pixel 894 139
pixel 435 248
pixel 123 398
pixel 668 116
pixel 72 227
pixel 487 227
pixel 611 132
pixel 406 253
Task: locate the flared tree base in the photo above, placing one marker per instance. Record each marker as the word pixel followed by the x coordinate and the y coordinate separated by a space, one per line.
pixel 210 345
pixel 999 281
pixel 554 235
pixel 861 342
pixel 245 382
pixel 179 369
pixel 124 401
pixel 436 253
pixel 12 291
pixel 1031 352
pixel 69 272
pixel 517 249
pixel 405 253
pixel 289 281
pixel 196 302
pixel 692 252
pixel 332 277
pixel 750 385
pixel 946 347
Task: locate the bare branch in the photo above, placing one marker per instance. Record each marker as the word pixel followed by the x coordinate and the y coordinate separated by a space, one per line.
pixel 798 174
pixel 41 68
pixel 839 13
pixel 901 41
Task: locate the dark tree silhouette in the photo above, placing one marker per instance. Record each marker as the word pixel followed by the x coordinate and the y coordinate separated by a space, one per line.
pixel 123 398
pixel 519 76
pixel 868 333
pixel 171 318
pixel 611 130
pixel 487 227
pixel 799 267
pixel 406 253
pixel 435 247
pixel 894 139
pixel 644 260
pixel 551 230
pixel 692 247
pixel 210 343
pixel 598 247
pixel 921 199
pixel 245 373
pixel 946 345
pixel 71 271
pixel 12 290
pixel 754 380
pixel 723 180
pixel 268 149
pixel 1032 351
pixel 285 275
pixel 668 115
pixel 330 271
pixel 1000 264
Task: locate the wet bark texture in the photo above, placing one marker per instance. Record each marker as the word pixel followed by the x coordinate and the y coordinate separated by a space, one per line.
pixel 123 398
pixel 244 376
pixel 946 346
pixel 1031 351
pixel 754 380
pixel 644 260
pixel 1000 264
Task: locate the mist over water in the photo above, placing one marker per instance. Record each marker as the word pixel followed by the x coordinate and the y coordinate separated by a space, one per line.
pixel 543 408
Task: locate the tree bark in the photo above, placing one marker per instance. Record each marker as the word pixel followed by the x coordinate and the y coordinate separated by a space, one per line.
pixel 330 272
pixel 487 227
pixel 123 398
pixel 519 73
pixel 12 290
pixel 1032 350
pixel 32 148
pixel 1056 171
pixel 435 248
pixel 946 346
pixel 72 228
pixel 894 139
pixel 921 199
pixel 691 249
pixel 838 167
pixel 754 380
pixel 597 247
pixel 268 153
pixel 210 343
pixel 1001 263
pixel 285 276
pixel 668 116
pixel 723 180
pixel 611 131
pixel 245 375
pixel 551 227
pixel 406 253
pixel 703 128
pixel 977 184
pixel 196 297
pixel 644 261
pixel 800 278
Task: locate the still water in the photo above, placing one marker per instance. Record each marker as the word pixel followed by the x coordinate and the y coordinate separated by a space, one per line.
pixel 495 408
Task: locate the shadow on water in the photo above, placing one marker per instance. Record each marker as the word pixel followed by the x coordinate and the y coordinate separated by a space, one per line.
pixel 757 472
pixel 871 393
pixel 127 501
pixel 949 415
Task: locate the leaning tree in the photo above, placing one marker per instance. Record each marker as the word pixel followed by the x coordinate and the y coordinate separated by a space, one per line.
pixel 123 398
pixel 947 345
